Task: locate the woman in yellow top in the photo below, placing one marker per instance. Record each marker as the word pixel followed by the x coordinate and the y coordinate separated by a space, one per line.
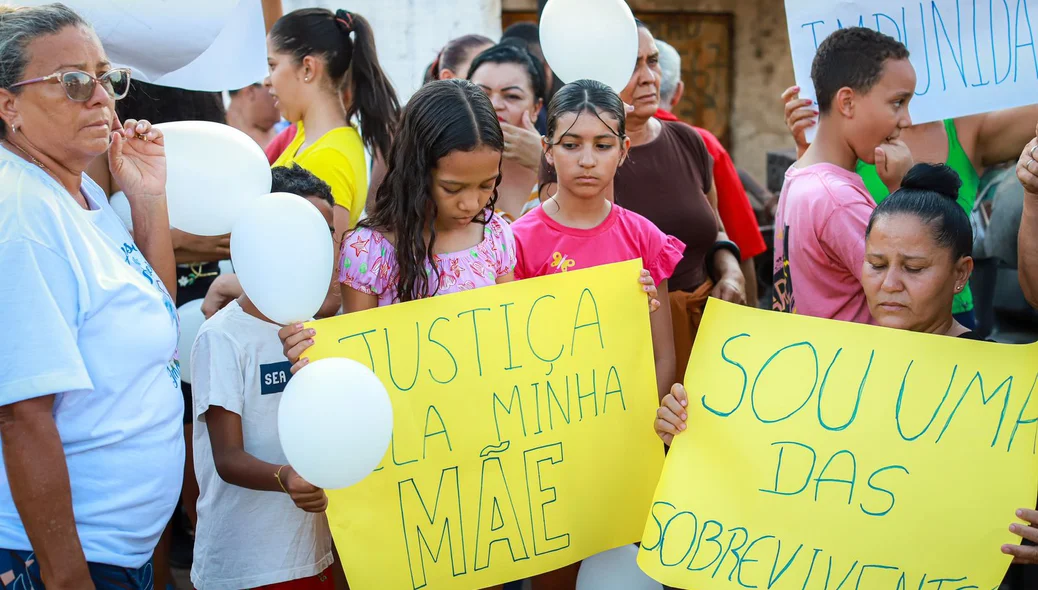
pixel 311 53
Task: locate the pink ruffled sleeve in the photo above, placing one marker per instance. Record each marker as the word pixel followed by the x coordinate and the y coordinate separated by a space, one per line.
pixel 504 246
pixel 670 252
pixel 365 260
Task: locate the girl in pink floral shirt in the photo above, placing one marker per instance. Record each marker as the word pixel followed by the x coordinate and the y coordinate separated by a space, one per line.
pixel 433 230
pixel 369 263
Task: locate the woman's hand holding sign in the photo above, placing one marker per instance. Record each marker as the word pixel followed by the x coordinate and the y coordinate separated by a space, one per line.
pixel 1024 554
pixel 671 417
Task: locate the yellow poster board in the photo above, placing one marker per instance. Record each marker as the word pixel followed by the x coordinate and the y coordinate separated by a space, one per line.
pixel 824 455
pixel 522 439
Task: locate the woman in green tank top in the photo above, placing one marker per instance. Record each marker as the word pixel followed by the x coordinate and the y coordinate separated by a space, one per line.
pixel 960 163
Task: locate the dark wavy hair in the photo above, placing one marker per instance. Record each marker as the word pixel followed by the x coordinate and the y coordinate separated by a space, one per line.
pixel 346 43
pixel 506 53
pixel 163 104
pixel 930 193
pixel 587 96
pixel 444 116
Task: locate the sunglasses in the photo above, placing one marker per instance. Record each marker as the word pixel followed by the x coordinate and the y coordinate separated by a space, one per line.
pixel 79 86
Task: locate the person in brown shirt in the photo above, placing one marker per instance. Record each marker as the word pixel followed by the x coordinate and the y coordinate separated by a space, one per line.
pixel 668 179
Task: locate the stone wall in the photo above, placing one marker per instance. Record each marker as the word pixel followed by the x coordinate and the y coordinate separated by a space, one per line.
pixel 763 69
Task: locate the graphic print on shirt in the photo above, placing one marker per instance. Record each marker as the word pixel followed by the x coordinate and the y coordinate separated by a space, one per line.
pixel 136 260
pixel 782 297
pixel 274 377
pixel 561 263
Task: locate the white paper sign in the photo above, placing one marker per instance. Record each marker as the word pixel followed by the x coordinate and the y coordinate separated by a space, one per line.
pixel 970 56
pixel 208 45
pixel 235 59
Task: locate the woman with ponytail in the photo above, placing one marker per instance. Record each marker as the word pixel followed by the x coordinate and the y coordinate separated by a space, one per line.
pixel 312 53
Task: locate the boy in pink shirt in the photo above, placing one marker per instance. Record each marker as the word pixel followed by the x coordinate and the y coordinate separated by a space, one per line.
pixel 864 82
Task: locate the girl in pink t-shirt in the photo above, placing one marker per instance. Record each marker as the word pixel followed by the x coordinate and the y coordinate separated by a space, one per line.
pixel 580 226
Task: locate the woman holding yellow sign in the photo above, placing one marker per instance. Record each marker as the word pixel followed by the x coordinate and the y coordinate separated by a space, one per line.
pixel 918 257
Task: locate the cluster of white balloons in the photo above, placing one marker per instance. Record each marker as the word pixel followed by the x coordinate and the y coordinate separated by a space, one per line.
pixel 335 419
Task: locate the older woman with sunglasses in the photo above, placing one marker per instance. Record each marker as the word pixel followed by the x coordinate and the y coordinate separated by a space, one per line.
pixel 90 408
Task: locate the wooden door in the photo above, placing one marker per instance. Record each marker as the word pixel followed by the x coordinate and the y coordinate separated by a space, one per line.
pixel 704 42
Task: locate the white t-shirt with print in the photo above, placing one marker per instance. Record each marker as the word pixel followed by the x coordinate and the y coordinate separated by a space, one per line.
pixel 85 318
pixel 247 538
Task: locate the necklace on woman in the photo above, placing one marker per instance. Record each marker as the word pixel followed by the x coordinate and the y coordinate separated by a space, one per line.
pixel 32 158
pixel 84 204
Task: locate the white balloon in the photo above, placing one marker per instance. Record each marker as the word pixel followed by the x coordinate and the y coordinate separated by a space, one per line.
pixel 283 254
pixel 592 39
pixel 213 174
pixel 335 421
pixel 616 569
pixel 121 206
pixel 191 319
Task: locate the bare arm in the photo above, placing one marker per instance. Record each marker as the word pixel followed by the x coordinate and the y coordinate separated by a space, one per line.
pixel 711 196
pixel 353 300
pixel 239 468
pixel 332 301
pixel 137 160
pixel 749 274
pixel 801 114
pixel 1028 248
pixel 233 464
pixel 1000 135
pixel 663 343
pixel 378 174
pixel 224 290
pixel 189 248
pixel 508 278
pixel 38 476
pixel 341 221
pixel 730 283
pixel 1027 174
